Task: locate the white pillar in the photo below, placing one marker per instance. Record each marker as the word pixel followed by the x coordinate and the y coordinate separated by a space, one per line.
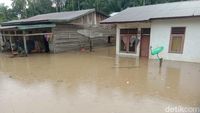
pixel 95 18
pixel 117 40
pixel 24 40
pixel 139 32
pixel 139 37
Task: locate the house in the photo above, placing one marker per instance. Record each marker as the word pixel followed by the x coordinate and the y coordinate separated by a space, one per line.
pixel 175 26
pixel 55 32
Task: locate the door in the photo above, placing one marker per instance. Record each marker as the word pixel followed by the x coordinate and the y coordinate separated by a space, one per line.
pixel 144 47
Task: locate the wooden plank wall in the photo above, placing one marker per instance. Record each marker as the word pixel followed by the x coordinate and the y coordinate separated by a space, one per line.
pixel 67 38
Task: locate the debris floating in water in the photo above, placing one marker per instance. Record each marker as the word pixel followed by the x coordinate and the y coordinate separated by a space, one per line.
pixel 127 82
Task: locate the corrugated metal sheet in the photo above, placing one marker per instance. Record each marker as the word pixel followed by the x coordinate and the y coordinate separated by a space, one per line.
pixel 167 10
pixel 23 27
pixel 50 17
pixel 8 27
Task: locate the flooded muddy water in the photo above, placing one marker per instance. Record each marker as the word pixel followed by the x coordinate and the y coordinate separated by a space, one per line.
pixel 97 82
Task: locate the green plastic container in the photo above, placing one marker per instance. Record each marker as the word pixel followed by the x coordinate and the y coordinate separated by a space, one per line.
pixel 157 50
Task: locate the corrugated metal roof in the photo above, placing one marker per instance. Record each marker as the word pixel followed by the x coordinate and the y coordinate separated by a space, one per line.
pixel 51 17
pixel 159 11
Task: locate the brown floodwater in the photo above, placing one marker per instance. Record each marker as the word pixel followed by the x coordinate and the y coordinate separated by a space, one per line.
pixel 97 82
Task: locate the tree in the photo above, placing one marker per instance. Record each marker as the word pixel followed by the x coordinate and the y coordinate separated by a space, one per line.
pixel 36 7
pixel 19 7
pixel 60 4
pixel 71 5
pixel 6 13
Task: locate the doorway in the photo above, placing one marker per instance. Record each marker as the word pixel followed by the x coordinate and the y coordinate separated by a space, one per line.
pixel 145 42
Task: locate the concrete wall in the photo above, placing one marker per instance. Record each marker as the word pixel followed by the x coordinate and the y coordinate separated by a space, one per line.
pixel 160 36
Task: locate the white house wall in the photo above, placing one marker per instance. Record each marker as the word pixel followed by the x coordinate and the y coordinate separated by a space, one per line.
pixel 160 36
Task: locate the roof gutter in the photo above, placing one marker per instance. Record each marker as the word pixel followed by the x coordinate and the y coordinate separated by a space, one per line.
pixel 192 16
pixel 161 18
pixel 119 22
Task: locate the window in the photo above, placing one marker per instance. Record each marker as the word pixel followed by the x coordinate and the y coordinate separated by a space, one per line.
pixel 177 40
pixel 145 31
pixel 129 40
pixel 128 31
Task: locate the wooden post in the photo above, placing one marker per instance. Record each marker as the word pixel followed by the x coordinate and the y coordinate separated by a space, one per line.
pixel 4 37
pixel 3 40
pixel 90 41
pixel 11 47
pixel 15 32
pixel 160 62
pixel 24 40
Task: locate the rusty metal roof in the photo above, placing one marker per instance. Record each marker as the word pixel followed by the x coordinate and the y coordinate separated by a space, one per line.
pixel 52 17
pixel 159 11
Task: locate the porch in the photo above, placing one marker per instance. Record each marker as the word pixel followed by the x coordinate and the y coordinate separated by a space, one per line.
pixel 24 39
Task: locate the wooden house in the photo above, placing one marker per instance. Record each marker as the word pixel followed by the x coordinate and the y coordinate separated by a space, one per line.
pixel 56 32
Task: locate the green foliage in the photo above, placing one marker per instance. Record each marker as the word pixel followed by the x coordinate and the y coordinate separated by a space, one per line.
pixel 60 4
pixel 109 6
pixel 36 7
pixel 19 7
pixel 27 8
pixel 6 13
